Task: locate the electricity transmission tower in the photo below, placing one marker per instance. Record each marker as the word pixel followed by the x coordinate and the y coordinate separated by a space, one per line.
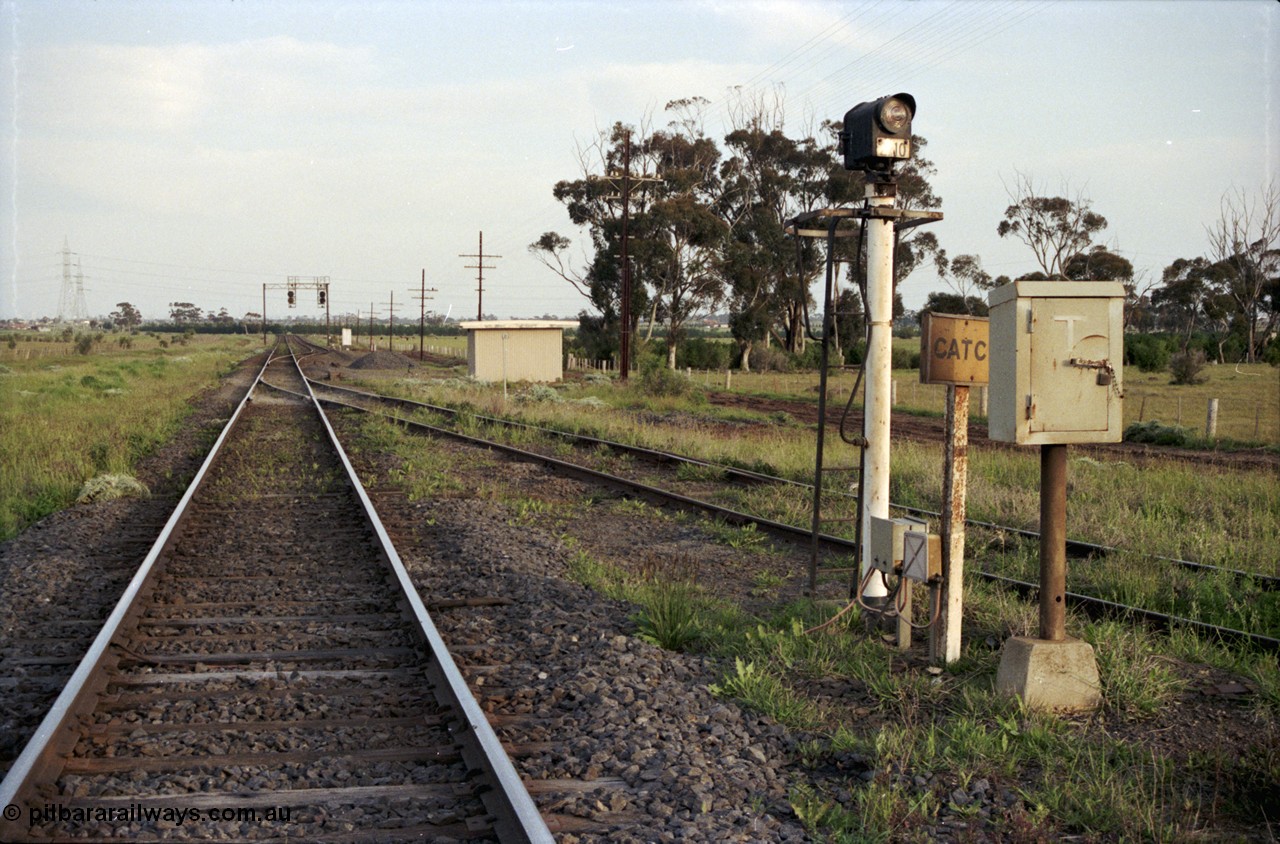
pixel 71 303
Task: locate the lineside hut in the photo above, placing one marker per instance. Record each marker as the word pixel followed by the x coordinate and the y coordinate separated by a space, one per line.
pixel 516 349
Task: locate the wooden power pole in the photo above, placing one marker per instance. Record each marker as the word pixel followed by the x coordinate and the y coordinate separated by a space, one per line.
pixel 479 266
pixel 423 298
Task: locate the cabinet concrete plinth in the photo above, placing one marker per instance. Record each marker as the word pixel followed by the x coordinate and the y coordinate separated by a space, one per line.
pixel 1061 676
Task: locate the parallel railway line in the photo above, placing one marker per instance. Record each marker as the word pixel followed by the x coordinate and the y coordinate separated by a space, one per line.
pixel 356 399
pixel 1075 547
pixel 261 678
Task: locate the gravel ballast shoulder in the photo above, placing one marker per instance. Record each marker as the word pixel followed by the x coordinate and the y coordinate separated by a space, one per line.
pixel 609 705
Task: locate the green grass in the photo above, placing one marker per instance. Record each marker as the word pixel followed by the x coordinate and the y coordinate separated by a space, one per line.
pixel 1248 401
pixel 1073 777
pixel 1231 518
pixel 65 418
pixel 1248 396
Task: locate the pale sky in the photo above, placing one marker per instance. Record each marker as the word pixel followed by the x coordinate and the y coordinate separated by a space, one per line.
pixel 193 151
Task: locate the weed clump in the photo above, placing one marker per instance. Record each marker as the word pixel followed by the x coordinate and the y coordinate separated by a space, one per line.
pixel 109 487
pixel 670 615
pixel 538 393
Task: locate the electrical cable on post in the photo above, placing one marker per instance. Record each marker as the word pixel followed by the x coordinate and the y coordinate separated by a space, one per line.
pixel 822 405
pixel 855 587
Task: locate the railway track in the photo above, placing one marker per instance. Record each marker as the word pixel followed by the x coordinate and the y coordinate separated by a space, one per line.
pixel 269 672
pixel 360 400
pixel 1075 547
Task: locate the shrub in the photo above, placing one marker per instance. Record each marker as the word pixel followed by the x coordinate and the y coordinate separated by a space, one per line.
pixel 1157 434
pixel 1147 352
pixel 811 357
pixel 701 353
pixel 657 380
pixel 906 358
pixel 1270 355
pixel 770 359
pixel 1186 366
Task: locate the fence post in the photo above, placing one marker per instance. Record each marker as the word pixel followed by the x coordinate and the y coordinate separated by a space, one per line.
pixel 1211 421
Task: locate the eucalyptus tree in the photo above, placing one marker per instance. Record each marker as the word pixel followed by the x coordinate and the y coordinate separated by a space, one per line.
pixel 1099 264
pixel 593 202
pixel 1245 242
pixel 1056 228
pixel 1181 300
pixel 768 179
pixel 680 234
pixel 126 316
pixel 964 275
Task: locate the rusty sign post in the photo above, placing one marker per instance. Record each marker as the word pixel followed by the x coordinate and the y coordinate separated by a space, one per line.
pixel 954 352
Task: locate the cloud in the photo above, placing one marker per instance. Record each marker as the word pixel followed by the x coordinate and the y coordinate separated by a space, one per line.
pixel 183 89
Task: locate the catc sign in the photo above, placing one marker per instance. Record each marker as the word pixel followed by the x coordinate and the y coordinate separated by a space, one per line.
pixel 954 349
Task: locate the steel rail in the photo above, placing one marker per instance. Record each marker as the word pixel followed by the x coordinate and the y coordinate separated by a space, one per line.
pixel 1075 547
pixel 1101 606
pixel 804 535
pixel 518 818
pixel 56 721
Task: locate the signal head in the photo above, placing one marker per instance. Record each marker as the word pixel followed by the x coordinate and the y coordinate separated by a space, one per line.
pixel 878 133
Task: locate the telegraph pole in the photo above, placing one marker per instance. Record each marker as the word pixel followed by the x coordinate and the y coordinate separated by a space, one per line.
pixel 422 297
pixel 480 267
pixel 624 351
pixel 391 322
pixel 624 362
